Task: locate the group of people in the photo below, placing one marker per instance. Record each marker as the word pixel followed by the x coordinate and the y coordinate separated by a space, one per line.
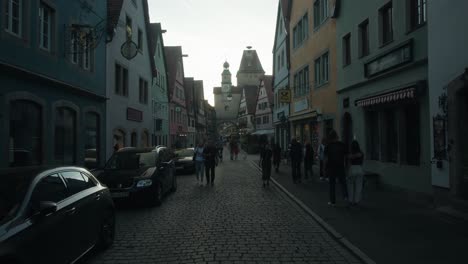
pixel 206 159
pixel 336 162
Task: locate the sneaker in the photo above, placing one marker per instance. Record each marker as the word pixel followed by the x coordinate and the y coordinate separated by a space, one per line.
pixel 331 204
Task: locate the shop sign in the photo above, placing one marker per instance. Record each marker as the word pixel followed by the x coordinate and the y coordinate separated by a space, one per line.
pixel 134 115
pixel 284 95
pixel 393 59
pixel 301 105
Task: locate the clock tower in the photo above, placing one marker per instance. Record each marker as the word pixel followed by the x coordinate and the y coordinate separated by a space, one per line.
pixel 226 83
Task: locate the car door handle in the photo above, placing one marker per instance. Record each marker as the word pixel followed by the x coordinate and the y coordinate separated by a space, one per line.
pixel 71 211
pixel 97 197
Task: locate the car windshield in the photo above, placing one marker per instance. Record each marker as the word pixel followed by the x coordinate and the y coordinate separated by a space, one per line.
pixel 185 152
pixel 131 160
pixel 12 191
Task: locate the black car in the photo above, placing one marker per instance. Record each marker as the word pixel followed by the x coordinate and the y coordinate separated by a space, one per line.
pixel 144 174
pixel 53 215
pixel 184 160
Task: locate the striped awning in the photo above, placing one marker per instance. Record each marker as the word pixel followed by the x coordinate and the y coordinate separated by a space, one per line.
pixel 389 97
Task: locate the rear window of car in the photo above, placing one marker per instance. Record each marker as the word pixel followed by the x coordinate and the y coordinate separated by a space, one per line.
pixel 185 152
pixel 131 160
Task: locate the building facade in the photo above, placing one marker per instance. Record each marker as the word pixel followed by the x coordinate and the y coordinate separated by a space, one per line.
pixel 281 75
pixel 200 123
pixel 448 99
pixel 189 85
pixel 313 111
pixel 211 122
pixel 52 87
pixel 129 118
pixel 227 97
pixel 178 118
pixel 159 92
pixel 382 81
pixel 264 110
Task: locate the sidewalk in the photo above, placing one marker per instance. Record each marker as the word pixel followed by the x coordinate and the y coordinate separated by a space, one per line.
pixel 389 226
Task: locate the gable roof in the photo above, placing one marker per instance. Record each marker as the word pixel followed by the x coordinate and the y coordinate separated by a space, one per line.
pixel 285 7
pixel 250 63
pixel 173 55
pixel 149 37
pixel 155 34
pixel 250 92
pixel 268 84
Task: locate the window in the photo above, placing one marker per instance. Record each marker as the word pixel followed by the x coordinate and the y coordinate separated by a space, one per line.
pixel 65 136
pixel 143 88
pixel 301 82
pixel 282 57
pixel 386 24
pixel 91 140
pixel 51 188
pixel 121 80
pixel 364 38
pixel 347 49
pixel 418 15
pixel 322 70
pixel 25 148
pixel 86 55
pixel 74 47
pixel 145 139
pixel 14 17
pixel 76 182
pixel 140 40
pixel 258 121
pixel 320 12
pixel 45 26
pixel 300 31
pixel 128 23
pixel 266 119
pixel 133 140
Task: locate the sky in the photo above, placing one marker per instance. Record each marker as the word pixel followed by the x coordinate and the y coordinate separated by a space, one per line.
pixel 212 31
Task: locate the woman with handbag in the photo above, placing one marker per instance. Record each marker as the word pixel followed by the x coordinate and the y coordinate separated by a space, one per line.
pixel 355 174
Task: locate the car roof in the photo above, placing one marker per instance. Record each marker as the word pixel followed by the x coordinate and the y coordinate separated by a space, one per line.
pixel 136 150
pixel 29 173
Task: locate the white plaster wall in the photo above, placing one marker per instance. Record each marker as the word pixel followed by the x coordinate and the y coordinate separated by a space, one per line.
pixel 448 58
pixel 137 67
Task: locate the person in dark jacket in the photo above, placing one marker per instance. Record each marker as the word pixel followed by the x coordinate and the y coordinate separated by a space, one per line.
pixel 335 163
pixel 210 154
pixel 276 156
pixel 296 159
pixel 265 161
pixel 308 160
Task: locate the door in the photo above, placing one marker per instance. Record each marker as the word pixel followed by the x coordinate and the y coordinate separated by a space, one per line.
pixel 45 238
pixel 82 212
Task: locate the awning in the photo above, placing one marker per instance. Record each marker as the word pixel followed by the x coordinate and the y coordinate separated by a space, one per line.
pixel 389 97
pixel 264 132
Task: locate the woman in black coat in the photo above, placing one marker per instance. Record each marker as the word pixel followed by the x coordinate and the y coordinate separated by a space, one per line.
pixel 265 161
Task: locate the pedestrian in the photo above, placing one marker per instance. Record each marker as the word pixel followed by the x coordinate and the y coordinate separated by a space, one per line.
pixel 199 162
pixel 355 174
pixel 335 163
pixel 276 156
pixel 210 154
pixel 236 150
pixel 265 161
pixel 308 160
pixel 321 157
pixel 296 158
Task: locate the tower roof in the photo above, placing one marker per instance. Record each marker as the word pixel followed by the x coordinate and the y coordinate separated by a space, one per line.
pixel 250 62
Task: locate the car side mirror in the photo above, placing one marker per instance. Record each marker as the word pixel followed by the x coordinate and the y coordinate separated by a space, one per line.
pixel 47 207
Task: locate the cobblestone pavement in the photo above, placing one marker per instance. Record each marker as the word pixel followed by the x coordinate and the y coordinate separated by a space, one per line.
pixel 235 221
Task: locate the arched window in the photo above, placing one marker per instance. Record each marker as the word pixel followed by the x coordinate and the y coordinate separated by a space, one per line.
pixel 119 138
pixel 91 140
pixel 133 140
pixel 25 144
pixel 65 135
pixel 145 139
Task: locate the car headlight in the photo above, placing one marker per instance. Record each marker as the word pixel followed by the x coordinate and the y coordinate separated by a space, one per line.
pixel 144 183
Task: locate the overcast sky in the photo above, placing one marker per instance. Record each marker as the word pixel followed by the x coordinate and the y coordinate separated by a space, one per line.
pixel 211 31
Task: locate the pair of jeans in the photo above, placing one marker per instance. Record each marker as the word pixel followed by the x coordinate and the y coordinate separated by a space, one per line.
pixel 199 169
pixel 355 182
pixel 296 170
pixel 210 172
pixel 333 174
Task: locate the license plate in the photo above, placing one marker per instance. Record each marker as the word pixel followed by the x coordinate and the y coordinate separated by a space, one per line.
pixel 119 194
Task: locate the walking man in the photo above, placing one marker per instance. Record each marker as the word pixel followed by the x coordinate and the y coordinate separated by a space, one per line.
pixel 296 158
pixel 265 162
pixel 210 154
pixel 335 163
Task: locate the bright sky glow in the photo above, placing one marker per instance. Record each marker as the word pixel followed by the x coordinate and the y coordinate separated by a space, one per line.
pixel 212 31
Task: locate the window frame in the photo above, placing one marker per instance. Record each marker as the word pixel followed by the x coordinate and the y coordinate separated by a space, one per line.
pixel 9 18
pixel 417 14
pixel 50 19
pixel 140 40
pixel 383 34
pixel 364 44
pixel 346 49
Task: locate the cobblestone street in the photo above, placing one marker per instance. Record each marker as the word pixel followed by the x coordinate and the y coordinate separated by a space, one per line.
pixel 235 221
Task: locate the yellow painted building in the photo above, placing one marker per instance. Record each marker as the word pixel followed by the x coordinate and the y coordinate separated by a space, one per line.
pixel 313 72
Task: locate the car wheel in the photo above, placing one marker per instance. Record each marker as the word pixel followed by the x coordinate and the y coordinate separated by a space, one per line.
pixel 174 183
pixel 158 195
pixel 107 231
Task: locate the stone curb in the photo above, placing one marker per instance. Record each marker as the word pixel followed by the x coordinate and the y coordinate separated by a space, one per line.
pixel 341 239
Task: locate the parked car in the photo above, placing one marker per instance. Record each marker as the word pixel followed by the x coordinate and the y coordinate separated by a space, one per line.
pixel 184 160
pixel 53 215
pixel 144 174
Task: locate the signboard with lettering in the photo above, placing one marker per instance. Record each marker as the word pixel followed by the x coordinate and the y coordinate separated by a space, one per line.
pixel 284 95
pixel 301 105
pixel 134 115
pixel 393 59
